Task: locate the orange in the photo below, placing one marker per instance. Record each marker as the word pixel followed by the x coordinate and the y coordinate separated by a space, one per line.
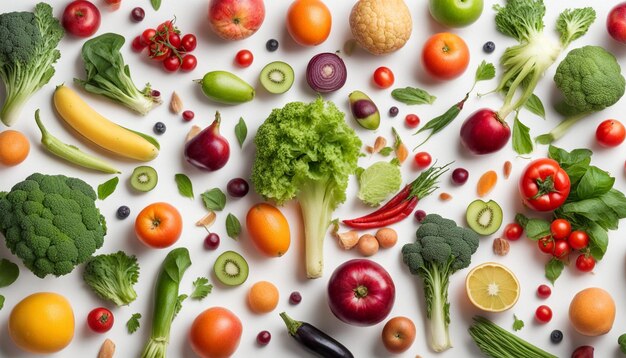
pixel 309 22
pixel 269 230
pixel 592 312
pixel 42 323
pixel 14 147
pixel 215 333
pixel 263 297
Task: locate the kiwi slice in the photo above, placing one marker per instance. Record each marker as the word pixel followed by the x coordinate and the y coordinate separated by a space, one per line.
pixel 231 268
pixel 144 178
pixel 277 77
pixel 484 218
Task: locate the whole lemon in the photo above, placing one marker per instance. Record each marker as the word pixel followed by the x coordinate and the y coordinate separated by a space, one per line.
pixel 592 312
pixel 42 323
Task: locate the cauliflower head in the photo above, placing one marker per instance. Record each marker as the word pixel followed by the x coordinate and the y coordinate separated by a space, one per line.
pixel 381 26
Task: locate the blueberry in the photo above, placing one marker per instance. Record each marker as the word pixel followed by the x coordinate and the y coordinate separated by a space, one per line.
pixel 393 111
pixel 489 47
pixel 159 128
pixel 123 212
pixel 271 45
pixel 556 336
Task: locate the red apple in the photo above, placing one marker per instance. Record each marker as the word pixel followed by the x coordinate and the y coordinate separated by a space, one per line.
pixel 616 22
pixel 236 19
pixel 484 132
pixel 81 18
pixel 361 292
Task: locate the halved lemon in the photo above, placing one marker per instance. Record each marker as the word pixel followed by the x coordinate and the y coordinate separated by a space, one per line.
pixel 492 287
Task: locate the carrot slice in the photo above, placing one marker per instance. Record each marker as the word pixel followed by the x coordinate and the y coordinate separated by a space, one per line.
pixel 486 183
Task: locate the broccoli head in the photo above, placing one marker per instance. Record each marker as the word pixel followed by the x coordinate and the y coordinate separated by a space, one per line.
pixel 441 249
pixel 112 277
pixel 52 223
pixel 20 46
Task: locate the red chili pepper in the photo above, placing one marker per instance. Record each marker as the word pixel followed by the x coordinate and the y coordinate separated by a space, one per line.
pixel 381 223
pixel 386 214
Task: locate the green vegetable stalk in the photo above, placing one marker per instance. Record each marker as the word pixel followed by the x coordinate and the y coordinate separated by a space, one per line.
pixel 166 301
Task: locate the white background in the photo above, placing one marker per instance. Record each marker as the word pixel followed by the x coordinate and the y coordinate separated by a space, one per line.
pixel 287 272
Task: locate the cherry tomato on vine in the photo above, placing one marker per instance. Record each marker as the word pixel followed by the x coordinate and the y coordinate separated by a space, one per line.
pixel 166 27
pixel 147 36
pixel 383 77
pixel 544 291
pixel 561 249
pixel 543 314
pixel 174 40
pixel 137 44
pixel 189 63
pixel 172 63
pixel 159 51
pixel 188 42
pixel 423 160
pixel 513 231
pixel 546 245
pixel 585 263
pixel 578 240
pixel 560 229
pixel 412 120
pixel 100 320
pixel 610 133
pixel 244 58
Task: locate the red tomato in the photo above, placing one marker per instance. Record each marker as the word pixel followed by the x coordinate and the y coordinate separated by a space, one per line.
pixel 188 43
pixel 445 56
pixel 215 333
pixel 159 51
pixel 412 120
pixel 610 133
pixel 137 44
pixel 561 249
pixel 543 314
pixel 158 225
pixel 100 320
pixel 244 58
pixel 174 40
pixel 585 263
pixel 513 231
pixel 423 160
pixel 189 63
pixel 578 240
pixel 544 185
pixel 560 229
pixel 167 27
pixel 383 77
pixel 147 36
pixel 546 245
pixel 171 64
pixel 544 291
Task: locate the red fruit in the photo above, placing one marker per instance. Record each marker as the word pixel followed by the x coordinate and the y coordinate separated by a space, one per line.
pixel 546 245
pixel 578 240
pixel 208 150
pixel 100 320
pixel 543 314
pixel 616 22
pixel 585 263
pixel 544 291
pixel 188 43
pixel 236 19
pixel 484 132
pixel 561 249
pixel 81 18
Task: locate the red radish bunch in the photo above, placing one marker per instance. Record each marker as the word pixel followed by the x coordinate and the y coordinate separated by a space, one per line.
pixel 165 44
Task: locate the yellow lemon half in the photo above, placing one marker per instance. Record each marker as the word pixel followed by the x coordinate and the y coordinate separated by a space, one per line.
pixel 492 287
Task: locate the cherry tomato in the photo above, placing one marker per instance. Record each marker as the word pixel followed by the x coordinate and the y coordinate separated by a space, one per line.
pixel 147 36
pixel 412 120
pixel 383 77
pixel 543 314
pixel 172 63
pixel 544 185
pixel 513 231
pixel 544 291
pixel 244 58
pixel 585 263
pixel 166 27
pixel 189 63
pixel 578 240
pixel 174 40
pixel 423 160
pixel 610 133
pixel 561 249
pixel 560 229
pixel 159 51
pixel 546 245
pixel 137 45
pixel 100 320
pixel 188 42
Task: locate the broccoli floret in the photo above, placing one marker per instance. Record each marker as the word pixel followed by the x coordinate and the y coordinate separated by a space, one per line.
pixel 441 249
pixel 27 53
pixel 52 223
pixel 112 277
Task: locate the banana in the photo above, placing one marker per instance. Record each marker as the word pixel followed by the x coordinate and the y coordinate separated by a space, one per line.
pixel 106 134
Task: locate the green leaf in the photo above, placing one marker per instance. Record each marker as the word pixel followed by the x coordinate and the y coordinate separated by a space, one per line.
pixel 176 263
pixel 535 229
pixel 598 240
pixel 485 71
pixel 412 95
pixel 179 303
pixel 566 159
pixel 593 209
pixel 9 272
pixel 615 200
pixel 107 188
pixel 1 301
pixel 241 131
pixel 554 268
pixel 214 199
pixel 518 324
pixel 233 227
pixel 386 151
pixel 438 123
pixel 156 4
pixel 185 188
pixel 595 182
pixel 201 288
pixel 378 181
pixel 534 105
pixel 133 323
pixel 522 143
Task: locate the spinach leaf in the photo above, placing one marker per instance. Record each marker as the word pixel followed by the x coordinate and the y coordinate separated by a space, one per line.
pixel 594 210
pixel 412 95
pixel 535 229
pixel 598 240
pixel 522 144
pixel 594 182
pixel 615 200
pixel 567 159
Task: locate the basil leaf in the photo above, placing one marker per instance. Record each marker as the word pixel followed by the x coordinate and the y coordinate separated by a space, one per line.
pixel 522 144
pixel 233 227
pixel 214 199
pixel 535 229
pixel 107 188
pixel 485 71
pixel 386 151
pixel 156 4
pixel 412 95
pixel 598 240
pixel 534 105
pixel 9 272
pixel 594 183
pixel 241 131
pixel 553 269
pixel 185 188
pixel 566 159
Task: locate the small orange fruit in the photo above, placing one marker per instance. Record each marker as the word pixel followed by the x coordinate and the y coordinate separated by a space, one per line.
pixel 309 22
pixel 263 297
pixel 592 312
pixel 268 229
pixel 14 147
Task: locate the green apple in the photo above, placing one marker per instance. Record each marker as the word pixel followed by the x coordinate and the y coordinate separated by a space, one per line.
pixel 456 13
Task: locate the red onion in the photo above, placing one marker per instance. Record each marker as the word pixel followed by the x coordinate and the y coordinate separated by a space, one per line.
pixel 326 72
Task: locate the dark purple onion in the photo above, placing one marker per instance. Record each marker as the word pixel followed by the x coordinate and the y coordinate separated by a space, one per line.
pixel 326 72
